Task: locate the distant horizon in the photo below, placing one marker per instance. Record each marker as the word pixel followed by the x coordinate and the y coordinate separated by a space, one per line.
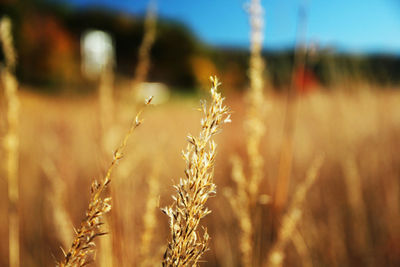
pixel 372 28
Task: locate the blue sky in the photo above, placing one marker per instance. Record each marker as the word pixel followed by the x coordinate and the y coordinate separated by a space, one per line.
pixel 350 25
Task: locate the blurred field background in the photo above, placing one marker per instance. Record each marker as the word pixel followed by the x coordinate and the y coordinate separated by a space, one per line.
pixel 345 106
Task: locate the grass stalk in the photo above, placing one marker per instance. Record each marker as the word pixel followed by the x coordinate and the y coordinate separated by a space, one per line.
pixel 286 156
pixel 355 198
pixel 187 245
pixel 149 218
pixel 11 140
pixel 293 215
pixel 83 246
pixel 302 250
pixel 61 219
pixel 247 189
pixel 106 102
pixel 254 122
pixel 149 37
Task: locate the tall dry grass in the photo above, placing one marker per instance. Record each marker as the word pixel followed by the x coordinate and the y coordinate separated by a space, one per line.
pixel 187 244
pixel 83 247
pixel 328 121
pixel 281 196
pixel 149 37
pixel 244 201
pixel 56 197
pixel 247 202
pixel 110 119
pixel 292 216
pixel 149 218
pixel 107 136
pixel 349 217
pixel 11 140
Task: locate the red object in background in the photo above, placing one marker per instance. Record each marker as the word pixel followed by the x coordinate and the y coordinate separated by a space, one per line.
pixel 304 80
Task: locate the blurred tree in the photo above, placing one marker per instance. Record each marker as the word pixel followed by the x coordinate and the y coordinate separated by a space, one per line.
pixel 50 54
pixel 47 36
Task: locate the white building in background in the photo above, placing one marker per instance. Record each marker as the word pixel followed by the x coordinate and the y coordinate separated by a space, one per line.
pixel 97 50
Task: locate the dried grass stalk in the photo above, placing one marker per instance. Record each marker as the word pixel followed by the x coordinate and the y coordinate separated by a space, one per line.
pixel 187 245
pixel 255 113
pixel 61 219
pixel 149 218
pixel 302 250
pixel 11 140
pixel 144 50
pixel 106 102
pixel 240 203
pixel 8 44
pixel 83 246
pixel 291 110
pixel 247 188
pixel 293 215
pixel 354 192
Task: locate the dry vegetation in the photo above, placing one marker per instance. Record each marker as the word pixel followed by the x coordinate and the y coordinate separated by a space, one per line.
pixel 341 191
pixel 187 246
pixel 11 139
pixel 350 216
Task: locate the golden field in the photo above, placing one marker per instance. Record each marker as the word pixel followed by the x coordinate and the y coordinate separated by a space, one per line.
pixel 291 161
pixel 350 215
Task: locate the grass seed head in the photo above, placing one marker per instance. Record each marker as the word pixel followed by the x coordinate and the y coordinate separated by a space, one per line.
pixel 187 244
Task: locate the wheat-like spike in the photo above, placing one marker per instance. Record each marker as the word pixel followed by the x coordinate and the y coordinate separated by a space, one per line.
pixel 254 122
pixel 83 246
pixel 247 188
pixel 11 140
pixel 187 245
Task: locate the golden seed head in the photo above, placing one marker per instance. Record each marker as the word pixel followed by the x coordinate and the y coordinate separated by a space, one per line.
pixel 187 245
